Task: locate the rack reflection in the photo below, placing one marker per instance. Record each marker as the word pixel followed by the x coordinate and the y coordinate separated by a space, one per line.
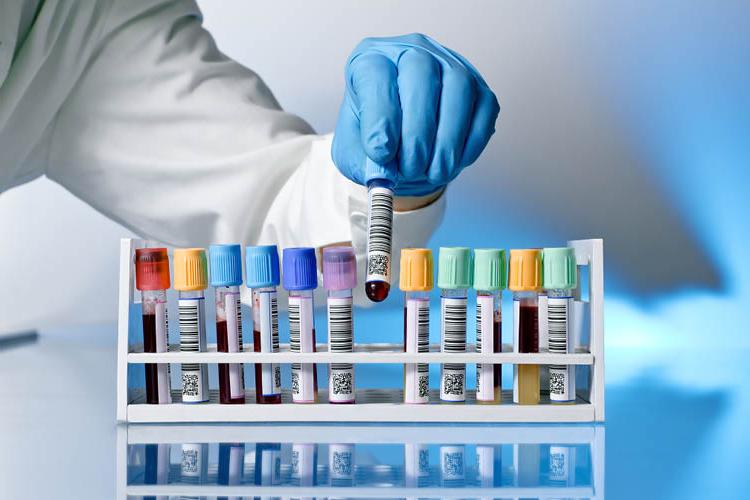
pixel 264 461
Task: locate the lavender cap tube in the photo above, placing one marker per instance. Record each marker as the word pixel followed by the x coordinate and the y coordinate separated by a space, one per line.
pixel 339 268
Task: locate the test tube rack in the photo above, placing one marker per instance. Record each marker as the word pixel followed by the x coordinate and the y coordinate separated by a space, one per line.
pixel 580 467
pixel 373 405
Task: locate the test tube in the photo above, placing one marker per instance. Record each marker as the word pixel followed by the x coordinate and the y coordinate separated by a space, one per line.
pixel 490 277
pixel 416 465
pixel 231 466
pixel 379 230
pixel 152 279
pixel 226 277
pixel 416 282
pixel 194 463
pixel 267 464
pixel 339 277
pixel 300 278
pixel 341 464
pixel 559 271
pixel 304 471
pixel 191 279
pixel 455 272
pixel 453 466
pixel 262 263
pixel 525 280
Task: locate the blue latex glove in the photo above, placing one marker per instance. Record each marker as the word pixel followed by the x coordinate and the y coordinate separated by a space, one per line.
pixel 416 108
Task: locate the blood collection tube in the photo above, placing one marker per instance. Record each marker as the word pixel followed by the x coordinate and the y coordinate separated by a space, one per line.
pixel 490 277
pixel 226 277
pixel 267 464
pixel 559 271
pixel 304 471
pixel 416 282
pixel 262 263
pixel 525 280
pixel 194 463
pixel 300 278
pixel 231 466
pixel 416 465
pixel 341 464
pixel 152 279
pixel 339 277
pixel 191 279
pixel 455 272
pixel 453 465
pixel 379 230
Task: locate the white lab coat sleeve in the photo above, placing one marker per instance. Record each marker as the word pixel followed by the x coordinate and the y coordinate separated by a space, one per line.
pixel 183 145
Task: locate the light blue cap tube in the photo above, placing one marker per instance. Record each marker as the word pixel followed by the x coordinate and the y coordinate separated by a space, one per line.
pixel 262 263
pixel 225 265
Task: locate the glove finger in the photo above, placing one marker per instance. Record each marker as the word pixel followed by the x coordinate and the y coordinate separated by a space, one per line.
pixel 454 119
pixel 419 86
pixel 373 83
pixel 346 151
pixel 482 127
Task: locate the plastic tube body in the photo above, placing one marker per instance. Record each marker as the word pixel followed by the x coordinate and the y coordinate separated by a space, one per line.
pixel 453 339
pixel 416 339
pixel 266 339
pixel 561 377
pixel 156 339
pixel 379 237
pixel 231 464
pixel 526 339
pixel 229 339
pixel 340 339
pixel 267 464
pixel 489 340
pixel 416 465
pixel 302 339
pixel 192 319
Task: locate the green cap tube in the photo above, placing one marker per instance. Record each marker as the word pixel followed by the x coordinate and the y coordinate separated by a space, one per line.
pixel 559 268
pixel 490 270
pixel 455 267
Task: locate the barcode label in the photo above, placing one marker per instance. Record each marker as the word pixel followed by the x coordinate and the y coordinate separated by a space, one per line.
pixel 163 370
pixel 340 339
pixel 193 339
pixel 485 345
pixel 268 328
pixel 193 464
pixel 301 340
pixel 453 339
pixel 417 340
pixel 452 463
pixel 233 311
pixel 304 458
pixel 379 228
pixel 560 376
pixel 341 462
pixel 559 459
pixel 416 464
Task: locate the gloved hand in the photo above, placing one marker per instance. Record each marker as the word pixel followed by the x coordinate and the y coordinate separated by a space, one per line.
pixel 414 107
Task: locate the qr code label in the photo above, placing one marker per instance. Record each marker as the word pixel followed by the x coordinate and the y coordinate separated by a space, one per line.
pixel 342 463
pixel 453 464
pixel 295 382
pixel 276 378
pixel 342 382
pixel 557 465
pixel 378 265
pixel 424 461
pixel 190 385
pixel 557 383
pixel 189 462
pixel 453 384
pixel 424 386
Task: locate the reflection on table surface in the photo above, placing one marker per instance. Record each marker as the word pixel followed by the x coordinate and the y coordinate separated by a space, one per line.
pixel 367 461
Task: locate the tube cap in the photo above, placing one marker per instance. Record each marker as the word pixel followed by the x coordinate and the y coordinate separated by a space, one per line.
pixel 525 270
pixel 339 268
pixel 151 269
pixel 490 271
pixel 416 270
pixel 190 269
pixel 455 267
pixel 262 263
pixel 300 269
pixel 225 262
pixel 559 266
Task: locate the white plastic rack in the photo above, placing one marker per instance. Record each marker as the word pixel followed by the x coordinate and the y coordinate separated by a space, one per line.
pixel 381 405
pixel 540 461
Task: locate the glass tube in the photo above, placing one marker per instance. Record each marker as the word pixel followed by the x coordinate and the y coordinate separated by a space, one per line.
pixel 379 235
pixel 453 339
pixel 266 339
pixel 156 339
pixel 229 339
pixel 416 339
pixel 302 339
pixel 489 340
pixel 340 339
pixel 526 339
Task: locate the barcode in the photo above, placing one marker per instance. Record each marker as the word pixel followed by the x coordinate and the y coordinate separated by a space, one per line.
pixel 239 324
pixel 340 330
pixel 275 322
pixel 454 329
pixel 380 222
pixel 190 324
pixel 423 339
pixel 479 327
pixel 557 328
pixel 294 326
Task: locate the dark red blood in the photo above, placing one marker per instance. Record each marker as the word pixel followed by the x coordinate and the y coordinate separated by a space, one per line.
pixel 377 291
pixel 222 341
